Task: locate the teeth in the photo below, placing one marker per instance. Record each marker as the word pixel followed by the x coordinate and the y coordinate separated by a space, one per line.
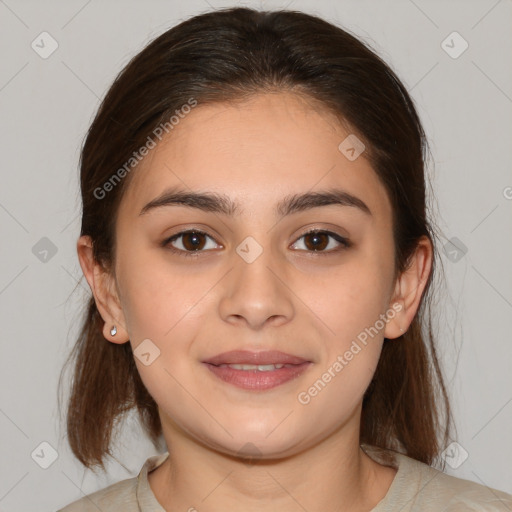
pixel 259 367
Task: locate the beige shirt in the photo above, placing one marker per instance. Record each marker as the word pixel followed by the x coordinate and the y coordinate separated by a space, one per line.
pixel 416 487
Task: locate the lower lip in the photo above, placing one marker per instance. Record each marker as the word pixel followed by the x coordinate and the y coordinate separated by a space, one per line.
pixel 255 379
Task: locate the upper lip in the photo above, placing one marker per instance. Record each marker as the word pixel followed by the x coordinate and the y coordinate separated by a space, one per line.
pixel 258 358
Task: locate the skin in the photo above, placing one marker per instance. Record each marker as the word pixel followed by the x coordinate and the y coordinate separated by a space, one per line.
pixel 290 298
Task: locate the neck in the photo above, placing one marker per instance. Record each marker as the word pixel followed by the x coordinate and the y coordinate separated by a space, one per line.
pixel 334 475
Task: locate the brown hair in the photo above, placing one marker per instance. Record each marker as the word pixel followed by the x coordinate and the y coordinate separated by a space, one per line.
pixel 229 55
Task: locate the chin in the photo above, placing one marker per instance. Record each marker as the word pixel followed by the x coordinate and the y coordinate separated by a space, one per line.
pixel 254 444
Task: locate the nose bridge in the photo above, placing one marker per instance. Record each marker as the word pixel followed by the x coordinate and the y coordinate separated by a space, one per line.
pixel 252 264
pixel 255 290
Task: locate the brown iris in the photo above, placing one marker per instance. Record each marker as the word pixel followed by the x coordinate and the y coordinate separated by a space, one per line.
pixel 193 241
pixel 319 241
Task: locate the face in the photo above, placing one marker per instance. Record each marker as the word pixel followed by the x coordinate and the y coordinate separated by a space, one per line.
pixel 256 279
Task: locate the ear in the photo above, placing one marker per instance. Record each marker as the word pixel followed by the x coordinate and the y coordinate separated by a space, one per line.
pixel 103 288
pixel 409 288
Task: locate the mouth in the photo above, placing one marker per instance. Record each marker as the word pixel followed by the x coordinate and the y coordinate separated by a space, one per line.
pixel 263 358
pixel 257 371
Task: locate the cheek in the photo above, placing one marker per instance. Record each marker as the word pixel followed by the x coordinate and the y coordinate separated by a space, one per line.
pixel 157 298
pixel 167 308
pixel 163 307
pixel 352 300
pixel 352 309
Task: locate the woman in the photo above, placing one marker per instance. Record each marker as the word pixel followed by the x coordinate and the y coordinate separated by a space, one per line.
pixel 256 240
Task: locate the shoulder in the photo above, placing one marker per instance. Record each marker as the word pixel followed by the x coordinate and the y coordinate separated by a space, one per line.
pixel 459 494
pixel 436 490
pixel 130 495
pixel 420 487
pixel 118 496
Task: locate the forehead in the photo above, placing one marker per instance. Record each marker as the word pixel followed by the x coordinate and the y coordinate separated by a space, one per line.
pixel 256 152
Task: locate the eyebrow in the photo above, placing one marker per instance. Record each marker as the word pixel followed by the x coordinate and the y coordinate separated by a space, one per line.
pixel 219 203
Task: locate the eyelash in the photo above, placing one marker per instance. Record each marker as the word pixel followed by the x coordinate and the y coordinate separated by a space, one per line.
pixel 194 254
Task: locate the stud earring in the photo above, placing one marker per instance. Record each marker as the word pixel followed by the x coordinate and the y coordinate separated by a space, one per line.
pixel 113 331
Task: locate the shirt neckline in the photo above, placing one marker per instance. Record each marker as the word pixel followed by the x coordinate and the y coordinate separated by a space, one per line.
pixel 147 501
pixel 396 460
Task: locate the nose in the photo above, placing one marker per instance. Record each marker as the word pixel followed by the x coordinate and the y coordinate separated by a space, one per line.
pixel 257 293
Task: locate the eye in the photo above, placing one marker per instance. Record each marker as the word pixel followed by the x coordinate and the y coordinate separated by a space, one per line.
pixel 192 243
pixel 318 241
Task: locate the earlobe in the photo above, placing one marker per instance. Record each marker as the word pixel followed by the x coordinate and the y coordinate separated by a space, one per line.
pixel 395 325
pixel 115 333
pixel 409 290
pixel 101 283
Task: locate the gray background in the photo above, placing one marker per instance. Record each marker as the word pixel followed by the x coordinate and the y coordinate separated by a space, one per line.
pixel 46 106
